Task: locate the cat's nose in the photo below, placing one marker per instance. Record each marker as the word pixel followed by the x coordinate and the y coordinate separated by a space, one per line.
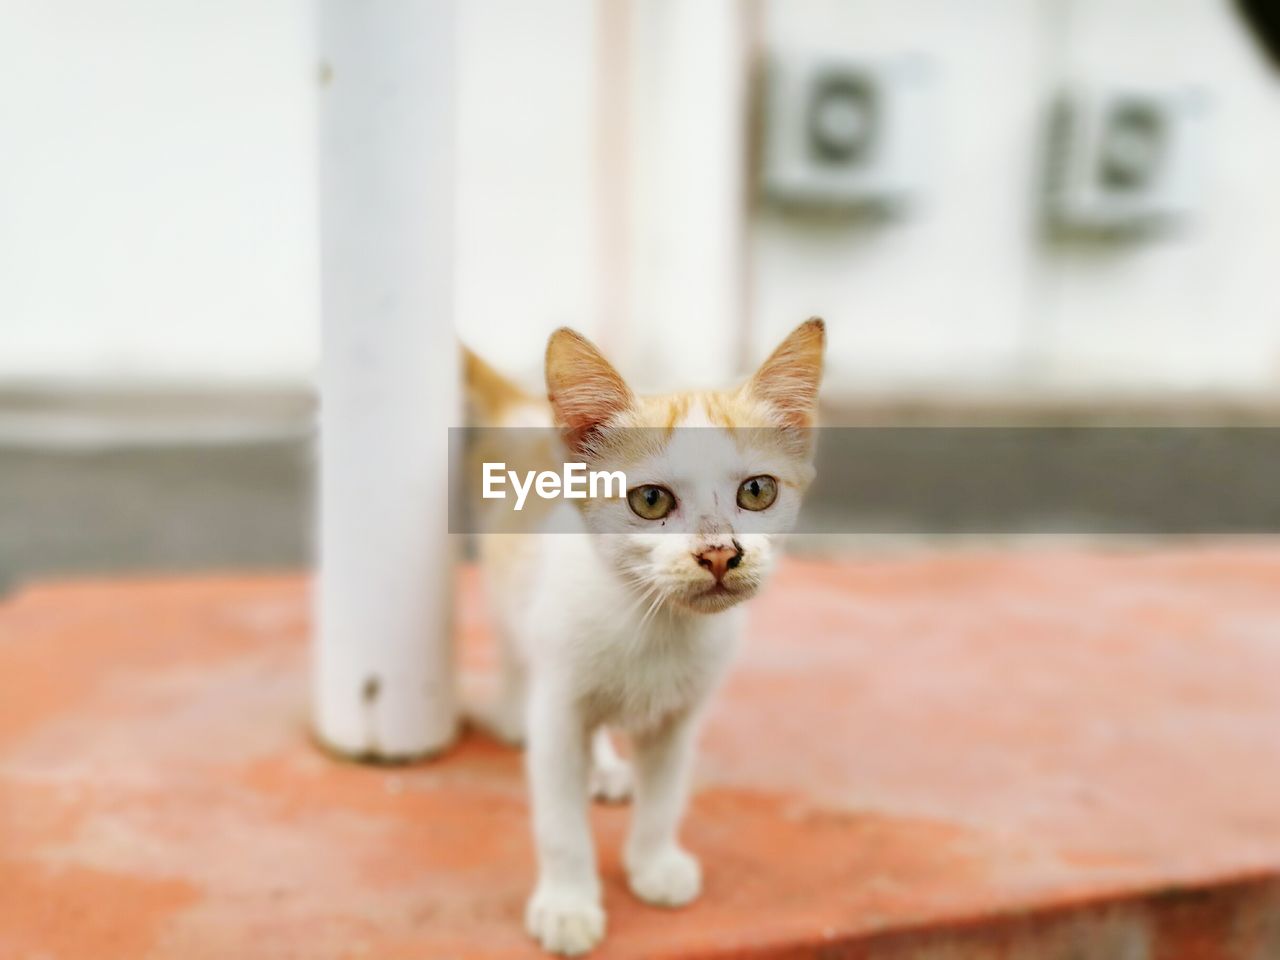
pixel 719 560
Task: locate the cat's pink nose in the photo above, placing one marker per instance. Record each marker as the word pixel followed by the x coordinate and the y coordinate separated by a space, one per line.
pixel 719 560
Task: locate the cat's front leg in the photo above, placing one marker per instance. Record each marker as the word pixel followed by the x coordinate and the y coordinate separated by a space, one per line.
pixel 564 914
pixel 659 870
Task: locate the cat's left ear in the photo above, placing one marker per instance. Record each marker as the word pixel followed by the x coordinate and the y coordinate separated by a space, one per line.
pixel 584 390
pixel 788 381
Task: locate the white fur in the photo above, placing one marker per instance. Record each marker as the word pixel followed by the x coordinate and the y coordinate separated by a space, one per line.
pixel 605 657
pixel 612 627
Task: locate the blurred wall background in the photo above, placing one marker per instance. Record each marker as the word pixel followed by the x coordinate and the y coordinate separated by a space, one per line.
pixel 158 192
pixel 969 290
pixel 158 251
pixel 159 198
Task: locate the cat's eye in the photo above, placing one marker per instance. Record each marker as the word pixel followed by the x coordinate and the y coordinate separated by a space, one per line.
pixel 757 493
pixel 650 501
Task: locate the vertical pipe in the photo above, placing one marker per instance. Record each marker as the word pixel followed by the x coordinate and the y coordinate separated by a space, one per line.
pixel 383 682
pixel 688 214
pixel 612 121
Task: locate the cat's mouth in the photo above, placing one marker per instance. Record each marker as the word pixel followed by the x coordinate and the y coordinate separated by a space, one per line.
pixel 718 596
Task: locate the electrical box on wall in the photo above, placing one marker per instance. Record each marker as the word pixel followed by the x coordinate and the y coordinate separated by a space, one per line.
pixel 1125 161
pixel 844 133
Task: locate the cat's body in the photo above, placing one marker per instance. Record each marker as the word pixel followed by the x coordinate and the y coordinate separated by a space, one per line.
pixel 629 620
pixel 624 663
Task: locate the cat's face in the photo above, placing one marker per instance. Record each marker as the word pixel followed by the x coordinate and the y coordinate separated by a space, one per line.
pixel 711 476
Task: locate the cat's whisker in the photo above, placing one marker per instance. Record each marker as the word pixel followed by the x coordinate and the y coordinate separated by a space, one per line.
pixel 637 578
pixel 648 592
pixel 653 608
pixel 639 601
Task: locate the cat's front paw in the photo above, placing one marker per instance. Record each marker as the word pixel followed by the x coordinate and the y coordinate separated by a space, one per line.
pixel 671 877
pixel 564 920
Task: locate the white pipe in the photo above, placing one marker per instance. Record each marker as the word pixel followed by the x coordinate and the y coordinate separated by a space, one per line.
pixel 688 200
pixel 383 678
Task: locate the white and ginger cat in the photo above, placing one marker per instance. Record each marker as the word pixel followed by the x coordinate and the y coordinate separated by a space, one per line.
pixel 630 622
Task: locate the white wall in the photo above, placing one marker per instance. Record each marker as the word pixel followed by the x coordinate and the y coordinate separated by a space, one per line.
pixel 941 294
pixel 1201 309
pixel 158 198
pixel 157 190
pixel 966 291
pixel 526 170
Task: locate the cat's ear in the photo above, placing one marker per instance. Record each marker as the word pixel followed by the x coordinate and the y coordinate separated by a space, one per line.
pixel 788 381
pixel 584 390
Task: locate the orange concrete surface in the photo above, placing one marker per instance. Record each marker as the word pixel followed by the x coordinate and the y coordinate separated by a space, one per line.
pixel 968 755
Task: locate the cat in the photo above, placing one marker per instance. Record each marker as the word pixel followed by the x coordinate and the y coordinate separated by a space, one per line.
pixel 630 622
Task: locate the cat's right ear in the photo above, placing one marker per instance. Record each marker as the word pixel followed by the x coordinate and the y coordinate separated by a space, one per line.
pixel 584 389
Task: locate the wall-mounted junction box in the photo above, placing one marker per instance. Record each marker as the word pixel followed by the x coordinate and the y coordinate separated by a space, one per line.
pixel 844 133
pixel 1125 161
